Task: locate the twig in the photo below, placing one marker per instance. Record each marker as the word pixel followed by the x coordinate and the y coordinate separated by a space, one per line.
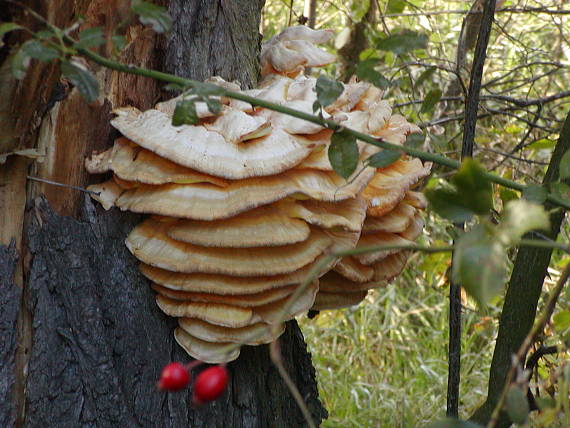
pixel 529 340
pixel 330 124
pixel 55 183
pixel 275 354
pixel 463 12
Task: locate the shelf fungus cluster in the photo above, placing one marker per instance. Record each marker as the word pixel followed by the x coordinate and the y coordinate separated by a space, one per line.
pixel 245 204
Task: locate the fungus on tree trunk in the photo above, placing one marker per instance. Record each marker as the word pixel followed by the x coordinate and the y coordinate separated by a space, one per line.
pixel 246 203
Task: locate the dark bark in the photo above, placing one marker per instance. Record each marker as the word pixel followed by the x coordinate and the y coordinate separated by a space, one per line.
pixel 100 341
pixel 349 54
pixel 9 307
pixel 215 38
pixel 523 293
pixel 471 108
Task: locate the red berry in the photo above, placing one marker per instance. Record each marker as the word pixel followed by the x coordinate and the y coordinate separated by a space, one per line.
pixel 174 377
pixel 210 384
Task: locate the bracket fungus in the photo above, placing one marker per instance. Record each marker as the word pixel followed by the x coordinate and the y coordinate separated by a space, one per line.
pixel 245 204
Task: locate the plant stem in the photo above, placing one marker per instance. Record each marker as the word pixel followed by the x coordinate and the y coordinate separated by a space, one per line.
pixel 330 124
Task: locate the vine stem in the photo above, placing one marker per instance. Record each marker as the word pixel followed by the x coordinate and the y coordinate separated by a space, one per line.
pixel 327 123
pixel 528 341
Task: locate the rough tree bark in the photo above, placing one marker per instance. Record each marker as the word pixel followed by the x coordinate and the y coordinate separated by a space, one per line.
pixel 91 341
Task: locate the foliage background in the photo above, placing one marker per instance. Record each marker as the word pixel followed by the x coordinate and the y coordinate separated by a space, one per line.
pixel 384 363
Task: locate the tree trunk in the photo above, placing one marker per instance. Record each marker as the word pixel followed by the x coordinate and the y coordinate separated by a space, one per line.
pixel 90 341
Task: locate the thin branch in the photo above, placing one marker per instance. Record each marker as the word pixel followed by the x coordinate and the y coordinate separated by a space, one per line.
pixel 275 354
pixel 330 124
pixel 55 183
pixel 529 340
pixel 539 10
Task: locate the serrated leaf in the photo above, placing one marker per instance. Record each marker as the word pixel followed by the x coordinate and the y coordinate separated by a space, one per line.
pixel 213 105
pixel 153 15
pixel 453 423
pixel 521 216
pixel 415 140
pixel 19 63
pixel 82 79
pixel 448 204
pixel 343 153
pixel 384 158
pixel 517 405
pixel 535 193
pixel 404 42
pixel 316 106
pixel 562 190
pixel 365 71
pixel 430 100
pixel 471 181
pixel 479 264
pixel 425 75
pixel 471 194
pixel 6 28
pixel 37 50
pixel 119 42
pixel 327 90
pixel 90 38
pixel 507 195
pixel 395 6
pixel 565 166
pixel 185 113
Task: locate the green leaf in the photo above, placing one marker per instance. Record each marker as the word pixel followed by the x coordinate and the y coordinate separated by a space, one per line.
pixel 517 405
pixel 426 75
pixel 384 158
pixel 395 6
pixel 44 34
pixel 343 153
pixel 471 194
pixel 119 42
pixel 562 190
pixel 185 113
pixel 37 50
pixel 415 140
pixel 565 166
pixel 19 63
pixel 82 79
pixel 507 195
pixel 404 42
pixel 561 320
pixel 214 105
pixel 327 90
pixel 90 38
pixel 453 423
pixel 6 28
pixel 365 71
pixel 431 99
pixel 542 144
pixel 521 216
pixel 535 193
pixel 479 264
pixel 153 15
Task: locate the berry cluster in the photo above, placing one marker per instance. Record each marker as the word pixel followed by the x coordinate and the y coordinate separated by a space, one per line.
pixel 209 385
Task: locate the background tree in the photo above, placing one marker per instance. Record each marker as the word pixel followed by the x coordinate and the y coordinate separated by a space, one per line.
pixel 90 342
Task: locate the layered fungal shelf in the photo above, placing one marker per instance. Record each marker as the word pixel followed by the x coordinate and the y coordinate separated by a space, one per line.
pixel 245 204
